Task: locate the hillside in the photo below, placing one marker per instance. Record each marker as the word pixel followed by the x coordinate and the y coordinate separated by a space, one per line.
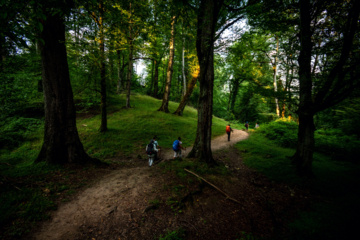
pixel 126 199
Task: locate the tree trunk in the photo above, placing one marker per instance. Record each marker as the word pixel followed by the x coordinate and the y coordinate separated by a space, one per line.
pixel 179 111
pixel 183 67
pixel 234 93
pixel 305 146
pixel 207 18
pixel 119 83
pixel 103 126
pixel 275 73
pixel 130 66
pixel 165 103
pixel 156 79
pixel 61 140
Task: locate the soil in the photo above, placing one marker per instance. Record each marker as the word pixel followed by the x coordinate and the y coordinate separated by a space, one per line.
pixel 141 202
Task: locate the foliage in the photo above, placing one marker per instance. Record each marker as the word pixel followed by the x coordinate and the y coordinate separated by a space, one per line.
pixel 332 142
pixel 334 213
pixel 14 131
pixel 339 146
pixel 282 131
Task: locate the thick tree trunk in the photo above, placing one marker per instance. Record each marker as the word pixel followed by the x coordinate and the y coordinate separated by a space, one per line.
pixel 165 103
pixel 305 146
pixel 179 111
pixel 207 18
pixel 61 140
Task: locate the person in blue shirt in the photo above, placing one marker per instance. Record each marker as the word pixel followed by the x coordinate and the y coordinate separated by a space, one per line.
pixel 177 147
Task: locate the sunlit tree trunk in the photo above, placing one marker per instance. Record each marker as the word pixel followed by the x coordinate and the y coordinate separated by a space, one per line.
pixel 183 67
pixel 165 103
pixel 61 140
pixel 275 82
pixel 190 87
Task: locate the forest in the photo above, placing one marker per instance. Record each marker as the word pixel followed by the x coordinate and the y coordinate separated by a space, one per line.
pixel 84 85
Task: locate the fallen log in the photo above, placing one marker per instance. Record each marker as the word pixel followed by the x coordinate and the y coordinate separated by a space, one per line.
pixel 225 194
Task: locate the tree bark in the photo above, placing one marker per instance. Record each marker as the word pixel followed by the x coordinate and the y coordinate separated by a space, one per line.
pixel 119 83
pixel 103 125
pixel 156 78
pixel 61 140
pixel 130 66
pixel 165 103
pixel 305 147
pixel 183 67
pixel 179 111
pixel 334 88
pixel 275 82
pixel 234 93
pixel 207 18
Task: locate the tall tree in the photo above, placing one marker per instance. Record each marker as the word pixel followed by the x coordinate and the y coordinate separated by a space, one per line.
pixel 165 102
pixel 327 58
pixel 339 75
pixel 61 140
pixel 212 16
pixel 207 18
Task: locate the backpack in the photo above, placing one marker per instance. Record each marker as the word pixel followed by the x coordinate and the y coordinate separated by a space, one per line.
pixel 150 148
pixel 176 145
pixel 228 128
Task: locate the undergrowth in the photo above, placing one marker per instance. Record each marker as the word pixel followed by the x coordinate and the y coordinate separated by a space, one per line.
pixel 334 213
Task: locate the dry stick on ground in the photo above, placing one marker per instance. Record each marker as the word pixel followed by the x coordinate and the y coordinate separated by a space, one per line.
pixel 227 196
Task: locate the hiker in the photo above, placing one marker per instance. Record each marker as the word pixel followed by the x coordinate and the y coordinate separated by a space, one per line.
pixel 151 150
pixel 228 131
pixel 157 154
pixel 257 125
pixel 177 146
pixel 247 125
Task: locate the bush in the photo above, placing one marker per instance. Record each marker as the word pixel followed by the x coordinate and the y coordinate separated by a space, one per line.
pixel 283 132
pixel 335 143
pixel 15 130
pixel 332 142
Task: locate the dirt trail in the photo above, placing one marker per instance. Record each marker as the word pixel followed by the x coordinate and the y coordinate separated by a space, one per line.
pixel 124 191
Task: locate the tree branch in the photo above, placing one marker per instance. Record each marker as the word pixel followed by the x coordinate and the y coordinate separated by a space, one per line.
pixel 226 195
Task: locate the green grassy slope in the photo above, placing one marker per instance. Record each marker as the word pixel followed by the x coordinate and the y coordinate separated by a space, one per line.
pixel 131 129
pixel 28 190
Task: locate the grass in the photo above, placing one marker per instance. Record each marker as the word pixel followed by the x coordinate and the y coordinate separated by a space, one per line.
pixel 23 201
pixel 131 129
pixel 335 214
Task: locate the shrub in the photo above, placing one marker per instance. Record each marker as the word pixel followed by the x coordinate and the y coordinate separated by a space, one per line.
pixel 283 132
pixel 15 130
pixel 336 144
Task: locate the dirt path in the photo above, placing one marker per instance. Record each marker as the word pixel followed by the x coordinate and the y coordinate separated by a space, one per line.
pixel 124 191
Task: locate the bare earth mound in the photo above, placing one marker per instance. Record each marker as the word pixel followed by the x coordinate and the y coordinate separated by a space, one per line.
pixel 145 203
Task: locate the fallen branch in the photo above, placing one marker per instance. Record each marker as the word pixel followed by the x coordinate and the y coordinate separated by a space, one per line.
pixel 226 195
